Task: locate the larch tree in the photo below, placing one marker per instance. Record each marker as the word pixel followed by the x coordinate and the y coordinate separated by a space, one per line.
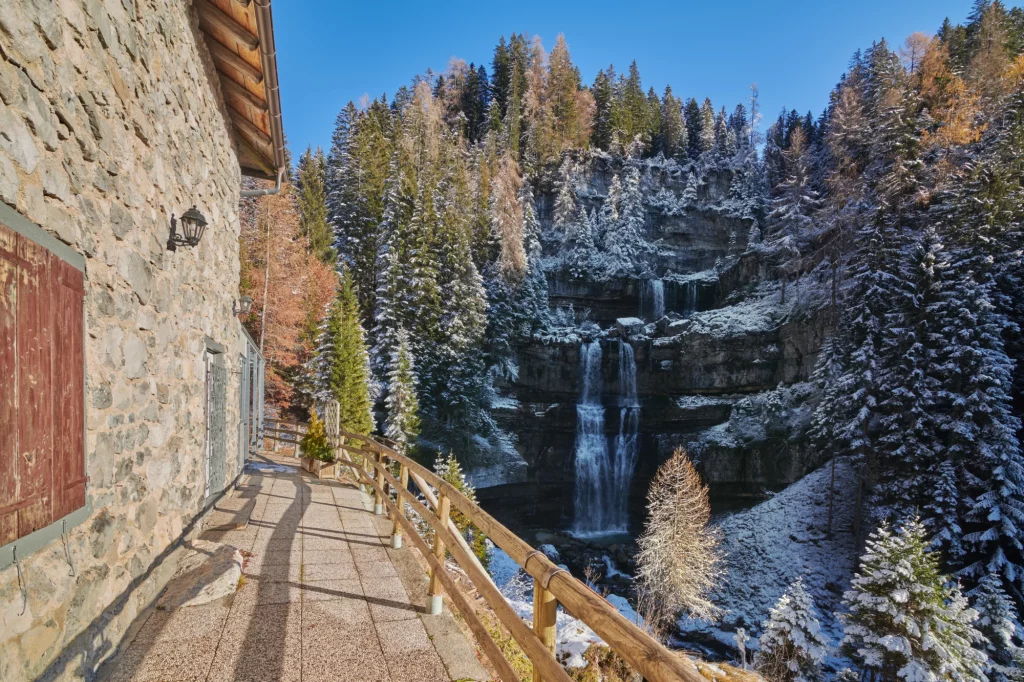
pixel 679 562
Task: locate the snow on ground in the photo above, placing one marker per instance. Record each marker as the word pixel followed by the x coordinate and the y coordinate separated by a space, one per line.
pixel 574 637
pixel 761 312
pixel 502 402
pixel 779 540
pixel 260 467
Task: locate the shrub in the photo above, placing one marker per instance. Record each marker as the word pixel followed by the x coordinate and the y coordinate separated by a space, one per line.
pixel 314 443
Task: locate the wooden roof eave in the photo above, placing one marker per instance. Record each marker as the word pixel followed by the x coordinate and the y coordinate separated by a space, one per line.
pixel 240 37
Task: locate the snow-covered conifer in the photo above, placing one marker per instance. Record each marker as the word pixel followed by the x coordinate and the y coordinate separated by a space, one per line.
pixel 626 243
pixel 792 647
pixel 904 622
pixel 689 197
pixel 998 624
pixel 402 424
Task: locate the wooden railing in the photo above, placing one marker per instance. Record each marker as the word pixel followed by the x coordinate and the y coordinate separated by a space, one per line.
pixel 369 459
pixel 284 431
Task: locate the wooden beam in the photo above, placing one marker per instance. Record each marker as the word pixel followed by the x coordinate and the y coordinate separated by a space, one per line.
pixel 242 92
pixel 223 55
pixel 212 18
pixel 249 128
pixel 243 3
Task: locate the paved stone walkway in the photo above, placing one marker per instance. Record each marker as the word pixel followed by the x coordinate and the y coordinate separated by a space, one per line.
pixel 324 598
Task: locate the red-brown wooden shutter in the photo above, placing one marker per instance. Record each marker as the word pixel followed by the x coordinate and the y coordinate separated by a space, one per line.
pixel 42 453
pixel 9 380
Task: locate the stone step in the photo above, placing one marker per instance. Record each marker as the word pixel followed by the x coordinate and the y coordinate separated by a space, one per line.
pixel 233 511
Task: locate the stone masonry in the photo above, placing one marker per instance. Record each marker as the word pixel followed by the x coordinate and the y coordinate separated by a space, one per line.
pixel 111 119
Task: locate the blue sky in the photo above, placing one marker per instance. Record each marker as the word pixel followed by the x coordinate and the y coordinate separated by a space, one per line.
pixel 333 51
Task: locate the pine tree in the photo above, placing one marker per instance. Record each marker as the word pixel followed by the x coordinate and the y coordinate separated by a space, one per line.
pixel 904 622
pixel 679 561
pixel 402 424
pixel 794 208
pixel 689 197
pixel 792 647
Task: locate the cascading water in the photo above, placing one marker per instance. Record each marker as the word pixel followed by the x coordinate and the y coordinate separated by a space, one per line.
pixel 627 442
pixel 602 481
pixel 689 297
pixel 652 299
pixel 592 465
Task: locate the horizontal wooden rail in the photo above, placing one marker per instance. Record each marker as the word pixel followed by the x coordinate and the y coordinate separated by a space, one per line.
pixel 645 654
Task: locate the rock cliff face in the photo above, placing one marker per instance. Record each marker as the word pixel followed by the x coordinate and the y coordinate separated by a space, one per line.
pixel 721 371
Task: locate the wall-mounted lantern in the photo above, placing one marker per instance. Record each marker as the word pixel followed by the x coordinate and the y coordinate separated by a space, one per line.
pixel 242 306
pixel 193 223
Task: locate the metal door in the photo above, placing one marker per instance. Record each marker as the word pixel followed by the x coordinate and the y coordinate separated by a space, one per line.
pixel 216 423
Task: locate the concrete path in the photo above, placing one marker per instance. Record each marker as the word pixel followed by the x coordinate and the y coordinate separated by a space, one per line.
pixel 323 598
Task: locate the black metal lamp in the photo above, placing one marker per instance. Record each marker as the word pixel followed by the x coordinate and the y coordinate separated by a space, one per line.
pixel 193 224
pixel 243 306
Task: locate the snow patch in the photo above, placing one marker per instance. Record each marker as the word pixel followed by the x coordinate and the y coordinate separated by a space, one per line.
pixel 769 546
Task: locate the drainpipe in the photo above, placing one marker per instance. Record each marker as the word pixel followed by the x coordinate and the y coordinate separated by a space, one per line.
pixel 266 190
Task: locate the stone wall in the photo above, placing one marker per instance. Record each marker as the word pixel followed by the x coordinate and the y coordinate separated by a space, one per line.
pixel 110 121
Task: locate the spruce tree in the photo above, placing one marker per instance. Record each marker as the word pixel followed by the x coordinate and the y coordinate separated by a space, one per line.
pixel 706 134
pixel 904 621
pixel 626 242
pixel 402 424
pixel 578 248
pixel 692 116
pixel 674 139
pixel 604 95
pixel 998 624
pixel 341 365
pixel 313 204
pixel 792 647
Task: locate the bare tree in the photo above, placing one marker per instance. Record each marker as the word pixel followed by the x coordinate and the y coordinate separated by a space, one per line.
pixel 680 561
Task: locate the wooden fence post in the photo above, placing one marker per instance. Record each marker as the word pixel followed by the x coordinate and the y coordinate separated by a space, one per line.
pixel 378 501
pixel 443 509
pixel 396 528
pixel 545 619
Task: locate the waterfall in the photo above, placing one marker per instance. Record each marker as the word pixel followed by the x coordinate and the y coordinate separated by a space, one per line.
pixel 690 297
pixel 592 465
pixel 602 478
pixel 626 442
pixel 652 298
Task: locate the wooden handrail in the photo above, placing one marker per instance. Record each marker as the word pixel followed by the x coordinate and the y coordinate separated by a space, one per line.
pixel 645 654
